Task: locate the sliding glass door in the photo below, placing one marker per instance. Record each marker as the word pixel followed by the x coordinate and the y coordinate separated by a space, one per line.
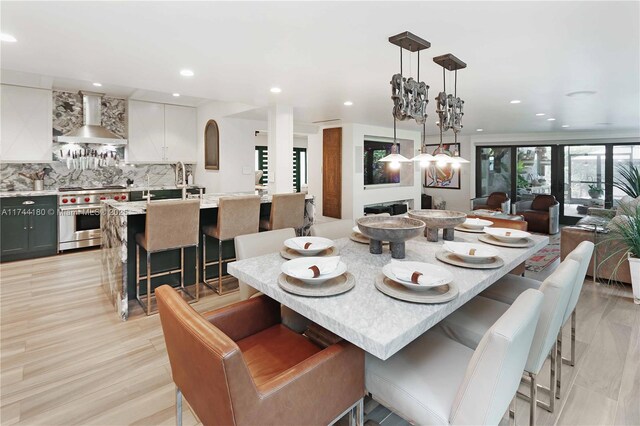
pixel 584 180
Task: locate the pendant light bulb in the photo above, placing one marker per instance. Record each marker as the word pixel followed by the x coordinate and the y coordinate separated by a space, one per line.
pixel 394 165
pixel 442 163
pixel 425 163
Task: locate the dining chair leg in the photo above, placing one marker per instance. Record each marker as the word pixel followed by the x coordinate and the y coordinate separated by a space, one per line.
pixel 534 398
pixel 148 283
pixel 197 274
pixel 204 259
pixel 219 266
pixel 182 267
pixel 356 415
pixel 137 272
pixel 178 407
pixel 552 379
pixel 572 361
pixel 559 362
pixel 512 411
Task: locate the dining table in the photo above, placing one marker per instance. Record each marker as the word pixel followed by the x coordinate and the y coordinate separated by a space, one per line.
pixel 366 317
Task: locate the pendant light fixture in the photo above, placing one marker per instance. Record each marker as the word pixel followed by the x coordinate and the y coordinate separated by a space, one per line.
pixel 450 110
pixel 410 97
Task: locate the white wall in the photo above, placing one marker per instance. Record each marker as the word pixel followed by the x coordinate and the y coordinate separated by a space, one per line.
pixel 237 146
pixel 298 141
pixel 354 194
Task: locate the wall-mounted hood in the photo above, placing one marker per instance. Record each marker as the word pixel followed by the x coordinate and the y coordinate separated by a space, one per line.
pixel 92 130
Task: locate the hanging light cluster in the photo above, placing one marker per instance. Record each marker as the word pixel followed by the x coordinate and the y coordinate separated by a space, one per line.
pixel 411 97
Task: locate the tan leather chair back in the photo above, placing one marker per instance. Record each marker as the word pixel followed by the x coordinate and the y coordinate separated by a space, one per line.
pixel 287 211
pixel 543 202
pixel 238 216
pixel 496 199
pixel 333 230
pixel 200 355
pixel 170 224
pixel 253 245
pixel 496 367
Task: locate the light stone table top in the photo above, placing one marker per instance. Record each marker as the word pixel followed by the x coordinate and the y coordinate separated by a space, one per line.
pixel 366 317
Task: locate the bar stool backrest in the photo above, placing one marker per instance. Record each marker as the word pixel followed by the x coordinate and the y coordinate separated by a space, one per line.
pixel 254 245
pixel 581 254
pixel 238 216
pixel 172 224
pixel 333 230
pixel 494 371
pixel 287 211
pixel 557 290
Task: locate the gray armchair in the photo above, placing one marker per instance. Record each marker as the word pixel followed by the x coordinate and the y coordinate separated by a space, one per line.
pixel 495 201
pixel 542 214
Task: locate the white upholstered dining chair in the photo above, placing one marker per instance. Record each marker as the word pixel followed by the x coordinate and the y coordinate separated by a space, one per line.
pixel 436 380
pixel 333 230
pixel 254 245
pixel 509 287
pixel 470 322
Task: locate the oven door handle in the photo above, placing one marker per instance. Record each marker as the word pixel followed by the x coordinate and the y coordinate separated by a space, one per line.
pixel 75 209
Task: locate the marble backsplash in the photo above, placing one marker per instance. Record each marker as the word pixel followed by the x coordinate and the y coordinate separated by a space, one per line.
pixel 58 175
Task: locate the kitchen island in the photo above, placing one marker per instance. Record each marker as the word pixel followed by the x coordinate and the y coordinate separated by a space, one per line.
pixel 120 221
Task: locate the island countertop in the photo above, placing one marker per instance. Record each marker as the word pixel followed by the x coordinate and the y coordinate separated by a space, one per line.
pixel 208 201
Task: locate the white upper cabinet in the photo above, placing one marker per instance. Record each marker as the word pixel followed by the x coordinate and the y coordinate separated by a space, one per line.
pixel 161 133
pixel 145 132
pixel 180 133
pixel 25 124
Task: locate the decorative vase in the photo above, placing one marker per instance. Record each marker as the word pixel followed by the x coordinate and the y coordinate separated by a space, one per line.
pixel 594 194
pixel 634 266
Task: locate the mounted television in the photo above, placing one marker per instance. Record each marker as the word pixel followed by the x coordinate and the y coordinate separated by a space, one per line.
pixel 376 172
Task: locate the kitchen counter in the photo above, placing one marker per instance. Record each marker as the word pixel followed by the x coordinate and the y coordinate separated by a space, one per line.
pixel 121 221
pixel 25 193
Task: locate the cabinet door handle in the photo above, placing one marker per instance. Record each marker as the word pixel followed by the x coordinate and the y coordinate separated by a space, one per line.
pixel 28 202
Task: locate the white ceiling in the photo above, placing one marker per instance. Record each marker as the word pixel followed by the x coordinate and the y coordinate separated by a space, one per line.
pixel 324 53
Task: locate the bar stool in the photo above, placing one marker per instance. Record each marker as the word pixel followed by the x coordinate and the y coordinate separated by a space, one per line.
pixel 170 225
pixel 236 216
pixel 287 211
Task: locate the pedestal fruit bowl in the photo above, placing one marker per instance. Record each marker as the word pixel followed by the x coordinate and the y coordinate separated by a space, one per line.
pixel 396 230
pixel 438 219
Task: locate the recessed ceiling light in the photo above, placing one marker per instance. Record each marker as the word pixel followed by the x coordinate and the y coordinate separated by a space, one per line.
pixel 565 125
pixel 276 90
pixel 176 94
pixel 515 101
pixel 551 119
pixel 479 130
pixel 348 103
pixel 186 73
pixel 7 37
pixel 540 114
pixel 97 84
pixel 581 93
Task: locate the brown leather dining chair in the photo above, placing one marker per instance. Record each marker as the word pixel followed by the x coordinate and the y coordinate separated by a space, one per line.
pixel 542 213
pixel 239 365
pixel 495 201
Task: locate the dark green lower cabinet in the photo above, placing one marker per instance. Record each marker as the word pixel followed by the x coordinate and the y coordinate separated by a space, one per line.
pixel 28 227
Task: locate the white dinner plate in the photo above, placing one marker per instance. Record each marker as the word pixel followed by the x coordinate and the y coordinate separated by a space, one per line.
pixel 289 268
pixel 506 234
pixel 481 252
pixel 435 274
pixel 476 224
pixel 317 244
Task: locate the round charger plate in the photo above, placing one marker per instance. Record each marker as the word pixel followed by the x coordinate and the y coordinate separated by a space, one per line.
pixel 440 294
pixel 450 258
pixel 338 285
pixel 471 231
pixel 524 243
pixel 288 253
pixel 359 238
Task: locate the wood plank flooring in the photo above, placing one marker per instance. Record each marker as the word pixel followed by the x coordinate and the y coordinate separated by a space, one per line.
pixel 66 358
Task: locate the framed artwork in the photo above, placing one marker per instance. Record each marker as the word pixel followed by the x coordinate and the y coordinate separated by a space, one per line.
pixel 446 177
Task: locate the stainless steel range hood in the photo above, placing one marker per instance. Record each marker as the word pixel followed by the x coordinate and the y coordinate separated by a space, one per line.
pixel 92 130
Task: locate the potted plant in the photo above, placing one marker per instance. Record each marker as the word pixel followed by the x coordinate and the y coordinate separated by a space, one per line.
pixel 629 180
pixel 595 191
pixel 625 228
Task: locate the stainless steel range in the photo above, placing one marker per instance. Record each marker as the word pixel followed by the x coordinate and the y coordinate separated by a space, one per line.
pixel 79 214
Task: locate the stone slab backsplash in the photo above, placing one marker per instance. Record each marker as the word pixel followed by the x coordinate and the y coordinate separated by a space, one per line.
pixel 59 175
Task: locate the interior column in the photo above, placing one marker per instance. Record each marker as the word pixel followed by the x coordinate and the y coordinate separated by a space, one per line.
pixel 280 147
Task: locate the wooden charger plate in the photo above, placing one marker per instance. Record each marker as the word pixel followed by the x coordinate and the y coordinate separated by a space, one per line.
pixel 359 238
pixel 523 243
pixel 472 231
pixel 450 258
pixel 334 286
pixel 440 294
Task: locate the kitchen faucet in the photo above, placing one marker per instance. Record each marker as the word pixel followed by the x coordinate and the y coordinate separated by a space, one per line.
pixel 182 185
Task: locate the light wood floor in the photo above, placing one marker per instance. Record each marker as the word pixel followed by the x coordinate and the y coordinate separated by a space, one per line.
pixel 66 358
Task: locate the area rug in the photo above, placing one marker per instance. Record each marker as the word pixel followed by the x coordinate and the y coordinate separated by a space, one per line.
pixel 545 257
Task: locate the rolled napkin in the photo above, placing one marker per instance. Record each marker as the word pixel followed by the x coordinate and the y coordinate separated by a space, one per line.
pixel 320 267
pixel 405 274
pixel 303 245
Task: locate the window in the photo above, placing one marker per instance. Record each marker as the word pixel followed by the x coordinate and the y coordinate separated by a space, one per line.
pixel 299 166
pixel 375 172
